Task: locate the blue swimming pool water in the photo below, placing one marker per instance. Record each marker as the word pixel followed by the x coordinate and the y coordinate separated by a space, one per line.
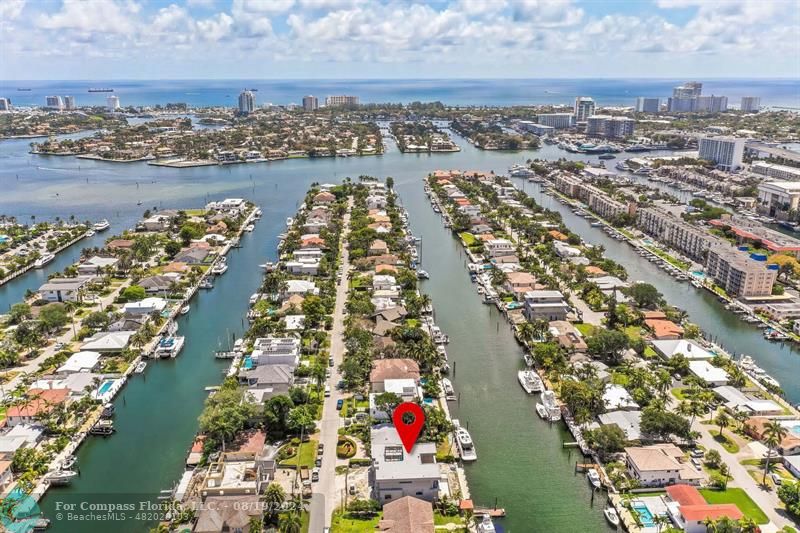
pixel 645 516
pixel 248 362
pixel 105 387
pixel 699 273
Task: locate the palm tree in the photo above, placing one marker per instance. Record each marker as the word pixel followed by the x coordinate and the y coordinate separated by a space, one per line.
pixel 748 525
pixel 660 521
pixel 291 523
pixel 723 421
pixel 274 497
pixel 774 433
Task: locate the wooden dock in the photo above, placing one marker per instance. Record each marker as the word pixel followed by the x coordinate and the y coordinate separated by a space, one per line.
pixel 498 512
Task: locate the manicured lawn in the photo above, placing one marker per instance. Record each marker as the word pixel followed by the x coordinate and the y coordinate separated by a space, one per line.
pixel 342 524
pixel 441 520
pixel 308 453
pixel 739 498
pixel 585 329
pixel 350 406
pixel 468 238
pixel 726 442
pixel 634 333
pixel 678 392
pixel 649 352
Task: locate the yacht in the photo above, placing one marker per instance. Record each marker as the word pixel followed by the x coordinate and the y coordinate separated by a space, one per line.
pixel 101 226
pixel 170 346
pixel 611 516
pixel 219 269
pixel 60 477
pixel 140 367
pixel 465 445
pixel 550 403
pixel 486 525
pixel 449 392
pixel 520 171
pixel 185 309
pixel 594 478
pixel 530 381
pixel 103 428
pixel 43 260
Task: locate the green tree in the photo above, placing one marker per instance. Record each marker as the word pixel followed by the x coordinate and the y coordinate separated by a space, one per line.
pixel 172 248
pixel 774 433
pixel 19 312
pixel 53 316
pixel 645 295
pixel 606 440
pixel 608 345
pixel 274 498
pixel 134 293
pixel 789 494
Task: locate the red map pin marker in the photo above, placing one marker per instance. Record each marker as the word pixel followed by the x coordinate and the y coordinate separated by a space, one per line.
pixel 408 432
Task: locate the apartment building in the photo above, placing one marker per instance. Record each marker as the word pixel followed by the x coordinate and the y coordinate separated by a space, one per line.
pixel 648 105
pixel 781 172
pixel 725 152
pixel 610 127
pixel 556 120
pixel 778 198
pixel 341 100
pixel 739 274
pixel 673 231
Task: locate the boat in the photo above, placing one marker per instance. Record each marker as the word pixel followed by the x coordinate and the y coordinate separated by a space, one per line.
pixel 528 360
pixel 551 405
pixel 612 516
pixel 530 381
pixel 520 171
pixel 68 462
pixel 421 274
pixel 185 309
pixel 108 410
pixel 90 233
pixel 170 346
pixel 254 298
pixel 607 156
pixel 466 447
pixel 249 227
pixel 594 478
pixel 140 367
pixel 257 213
pixel 219 269
pixel 60 477
pixel 103 428
pixel 101 226
pixel 449 392
pixel 486 525
pixel 43 260
pixel 206 283
pixel 541 410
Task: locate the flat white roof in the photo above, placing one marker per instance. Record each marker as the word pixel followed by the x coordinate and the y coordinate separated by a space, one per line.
pixel 80 361
pixel 687 347
pixel 708 372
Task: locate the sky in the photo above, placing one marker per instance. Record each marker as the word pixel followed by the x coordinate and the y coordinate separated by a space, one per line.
pixel 287 39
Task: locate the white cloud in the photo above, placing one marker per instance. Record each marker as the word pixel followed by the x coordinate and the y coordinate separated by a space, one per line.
pixel 215 28
pixel 201 3
pixel 108 16
pixel 11 9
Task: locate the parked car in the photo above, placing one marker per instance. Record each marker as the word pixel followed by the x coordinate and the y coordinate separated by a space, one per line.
pixel 776 479
pixel 318 463
pixel 352 489
pixel 339 404
pixel 327 391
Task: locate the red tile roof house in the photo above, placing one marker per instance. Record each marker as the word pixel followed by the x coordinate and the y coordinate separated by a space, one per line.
pixel 42 402
pixel 688 509
pixel 324 198
pixel 664 329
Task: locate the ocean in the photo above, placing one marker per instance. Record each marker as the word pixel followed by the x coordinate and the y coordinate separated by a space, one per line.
pixel 495 92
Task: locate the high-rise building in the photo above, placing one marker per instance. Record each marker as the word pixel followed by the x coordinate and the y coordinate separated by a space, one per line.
pixel 751 104
pixel 610 127
pixel 584 108
pixel 5 104
pixel 54 102
pixel 112 103
pixel 247 102
pixel 681 104
pixel 310 103
pixel 713 104
pixel 556 120
pixel 690 89
pixel 648 105
pixel 342 100
pixel 69 103
pixel 725 152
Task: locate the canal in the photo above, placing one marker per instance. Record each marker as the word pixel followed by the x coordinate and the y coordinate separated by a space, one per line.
pixel 521 464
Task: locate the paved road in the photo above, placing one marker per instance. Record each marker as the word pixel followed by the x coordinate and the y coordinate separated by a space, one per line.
pixel 324 490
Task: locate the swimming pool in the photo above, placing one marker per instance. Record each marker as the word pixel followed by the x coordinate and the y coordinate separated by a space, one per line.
pixel 645 516
pixel 792 425
pixel 105 387
pixel 247 364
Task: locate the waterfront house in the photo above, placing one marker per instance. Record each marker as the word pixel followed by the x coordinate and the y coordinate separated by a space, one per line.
pixel 383 282
pixel 407 515
pixel 519 283
pixel 19 436
pixel 42 402
pixel 395 473
pixel 737 401
pixel 407 389
pixel 567 336
pixel 627 421
pixel 175 267
pixel 689 511
pixel 191 256
pixel 378 247
pixel 710 374
pixel 120 244
pixel 232 475
pixel 146 306
pixel 156 284
pixel 307 266
pixel 228 513
pixel 157 222
pixel 64 289
pixel 312 240
pixel 400 368
pixel 789 445
pixel 545 304
pixel 689 348
pixel 294 322
pixel 324 197
pixel 277 378
pixel 301 287
pixel 615 398
pixel 660 465
pixel 96 265
pixel 499 247
pixel 564 250
pixel 80 362
pixel 381 228
pixel 276 351
pixel 664 329
pixel 108 341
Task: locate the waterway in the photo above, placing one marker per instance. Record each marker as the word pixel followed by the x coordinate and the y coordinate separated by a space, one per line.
pixel 521 460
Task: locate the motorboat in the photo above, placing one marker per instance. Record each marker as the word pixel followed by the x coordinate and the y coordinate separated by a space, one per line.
pixel 90 233
pixel 219 269
pixel 465 445
pixel 541 410
pixel 185 309
pixel 530 381
pixel 257 214
pixel 101 226
pixel 103 428
pixel 206 283
pixel 254 298
pixel 421 274
pixel 43 260
pixel 528 360
pixel 170 346
pixel 60 477
pixel 612 516
pixel 449 391
pixel 249 227
pixel 140 367
pixel 550 403
pixel 594 478
pixel 68 462
pixel 108 410
pixel 486 525
pixel 289 222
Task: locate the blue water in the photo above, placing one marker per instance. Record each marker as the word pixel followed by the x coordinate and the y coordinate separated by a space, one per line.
pixel 644 514
pixel 105 387
pixel 773 92
pixel 248 363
